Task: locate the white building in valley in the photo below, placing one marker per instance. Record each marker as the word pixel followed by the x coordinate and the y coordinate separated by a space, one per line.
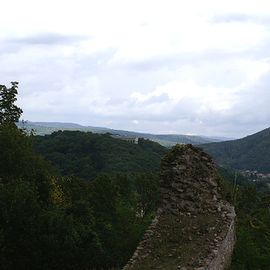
pixel 134 140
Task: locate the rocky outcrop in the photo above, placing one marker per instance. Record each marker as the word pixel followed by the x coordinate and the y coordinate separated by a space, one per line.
pixel 194 227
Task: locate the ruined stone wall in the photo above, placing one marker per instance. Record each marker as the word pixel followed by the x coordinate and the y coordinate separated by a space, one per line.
pixel 222 258
pixel 194 227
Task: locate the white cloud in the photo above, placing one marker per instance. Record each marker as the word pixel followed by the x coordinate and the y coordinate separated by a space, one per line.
pixel 161 66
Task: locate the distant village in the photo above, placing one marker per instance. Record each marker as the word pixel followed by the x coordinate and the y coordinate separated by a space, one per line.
pixel 255 175
pixel 134 140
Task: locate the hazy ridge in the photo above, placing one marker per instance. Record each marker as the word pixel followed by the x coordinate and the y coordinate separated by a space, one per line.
pixel 168 140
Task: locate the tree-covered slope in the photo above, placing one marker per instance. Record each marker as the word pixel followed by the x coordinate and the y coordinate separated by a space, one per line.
pixel 251 152
pixel 168 140
pixel 51 221
pixel 86 154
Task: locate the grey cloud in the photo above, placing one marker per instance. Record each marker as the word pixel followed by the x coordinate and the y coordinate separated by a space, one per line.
pixel 240 18
pixel 159 109
pixel 234 17
pixel 173 61
pixel 157 99
pixel 47 70
pixel 47 39
pixel 15 44
pixel 254 103
pixel 247 117
pixel 52 87
pixel 161 62
pixel 250 114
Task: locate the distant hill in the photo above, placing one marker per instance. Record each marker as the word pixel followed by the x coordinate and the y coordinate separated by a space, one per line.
pixel 167 140
pixel 87 154
pixel 251 152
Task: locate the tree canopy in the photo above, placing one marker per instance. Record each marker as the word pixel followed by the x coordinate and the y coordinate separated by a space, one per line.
pixel 9 112
pixel 50 219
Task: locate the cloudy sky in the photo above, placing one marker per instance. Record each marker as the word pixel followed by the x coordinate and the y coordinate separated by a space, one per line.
pixel 168 66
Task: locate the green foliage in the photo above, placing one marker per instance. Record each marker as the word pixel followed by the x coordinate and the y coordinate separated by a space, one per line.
pixel 37 237
pixel 117 205
pixel 9 112
pixel 251 152
pixel 38 232
pixel 252 250
pixel 19 214
pixel 19 162
pixel 53 222
pixel 147 188
pixel 68 239
pixel 49 221
pixel 86 154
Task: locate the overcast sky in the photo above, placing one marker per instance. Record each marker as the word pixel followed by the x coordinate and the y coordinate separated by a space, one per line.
pixel 186 67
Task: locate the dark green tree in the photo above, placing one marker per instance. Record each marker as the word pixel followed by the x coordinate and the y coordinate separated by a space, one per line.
pixel 9 112
pixel 46 222
pixel 54 221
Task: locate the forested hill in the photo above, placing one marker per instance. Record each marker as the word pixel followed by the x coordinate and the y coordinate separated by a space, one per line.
pixel 87 154
pixel 168 140
pixel 251 152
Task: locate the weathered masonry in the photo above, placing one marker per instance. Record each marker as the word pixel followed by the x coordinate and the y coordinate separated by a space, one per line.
pixel 194 227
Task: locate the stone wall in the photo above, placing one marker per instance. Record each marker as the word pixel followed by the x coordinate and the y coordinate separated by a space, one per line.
pixel 222 258
pixel 194 227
